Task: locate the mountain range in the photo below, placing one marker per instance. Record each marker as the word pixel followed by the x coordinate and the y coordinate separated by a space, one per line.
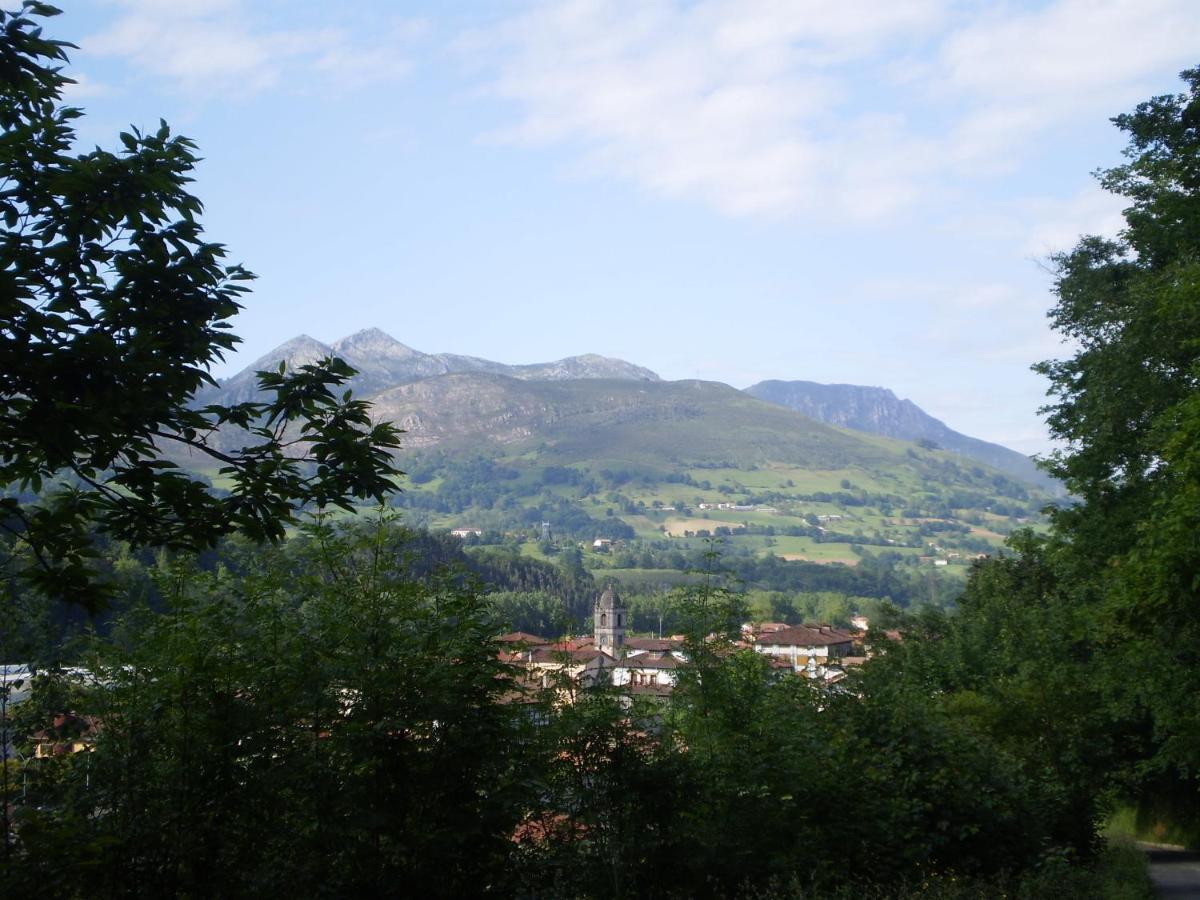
pixel 582 406
pixel 383 362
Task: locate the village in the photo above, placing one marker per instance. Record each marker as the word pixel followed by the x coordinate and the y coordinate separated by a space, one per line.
pixel 647 667
pixel 637 667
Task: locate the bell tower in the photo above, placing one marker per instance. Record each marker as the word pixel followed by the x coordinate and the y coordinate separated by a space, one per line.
pixel 609 621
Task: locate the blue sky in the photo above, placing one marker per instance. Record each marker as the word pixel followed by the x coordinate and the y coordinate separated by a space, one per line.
pixel 849 191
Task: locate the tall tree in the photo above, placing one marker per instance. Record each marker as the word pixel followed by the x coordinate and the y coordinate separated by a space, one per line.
pixel 112 309
pixel 1127 408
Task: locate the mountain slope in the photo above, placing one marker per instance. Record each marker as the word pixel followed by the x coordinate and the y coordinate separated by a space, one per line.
pixel 655 423
pixel 877 410
pixel 619 459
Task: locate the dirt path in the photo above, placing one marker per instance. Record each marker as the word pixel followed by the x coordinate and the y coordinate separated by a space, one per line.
pixel 1175 872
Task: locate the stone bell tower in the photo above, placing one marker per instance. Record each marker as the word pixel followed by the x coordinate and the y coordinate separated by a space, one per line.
pixel 609 621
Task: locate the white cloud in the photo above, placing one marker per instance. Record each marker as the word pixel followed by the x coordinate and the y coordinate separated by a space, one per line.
pixel 220 47
pixel 83 87
pixel 1024 73
pixel 722 100
pixel 849 109
pixel 1060 223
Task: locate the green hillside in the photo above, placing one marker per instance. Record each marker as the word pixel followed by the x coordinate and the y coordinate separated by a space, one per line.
pixel 655 470
pixel 659 467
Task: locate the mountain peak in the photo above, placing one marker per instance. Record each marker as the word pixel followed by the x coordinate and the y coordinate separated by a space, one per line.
pixel 588 365
pixel 368 335
pixel 300 341
pixel 302 350
pixel 299 351
pixel 374 342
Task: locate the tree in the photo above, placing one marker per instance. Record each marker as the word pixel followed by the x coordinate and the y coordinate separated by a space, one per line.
pixel 1130 305
pixel 112 309
pixel 1127 408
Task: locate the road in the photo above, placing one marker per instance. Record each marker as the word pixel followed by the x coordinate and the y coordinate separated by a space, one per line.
pixel 1175 872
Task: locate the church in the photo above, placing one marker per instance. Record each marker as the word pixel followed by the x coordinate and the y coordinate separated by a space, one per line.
pixel 609 619
pixel 639 666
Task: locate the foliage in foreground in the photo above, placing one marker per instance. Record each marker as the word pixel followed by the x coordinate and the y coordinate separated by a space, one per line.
pixel 113 307
pixel 324 718
pixel 319 721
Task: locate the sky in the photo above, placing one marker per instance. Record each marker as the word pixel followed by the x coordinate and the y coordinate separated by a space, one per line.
pixel 851 191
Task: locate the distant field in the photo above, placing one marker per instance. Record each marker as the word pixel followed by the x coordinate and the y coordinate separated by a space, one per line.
pixel 806 548
pixel 676 526
pixel 844 560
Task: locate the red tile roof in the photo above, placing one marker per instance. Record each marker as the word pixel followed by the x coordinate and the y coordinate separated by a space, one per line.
pixel 806 636
pixel 557 654
pixel 522 637
pixel 659 644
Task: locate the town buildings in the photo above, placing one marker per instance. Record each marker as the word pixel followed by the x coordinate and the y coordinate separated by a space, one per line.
pixel 640 666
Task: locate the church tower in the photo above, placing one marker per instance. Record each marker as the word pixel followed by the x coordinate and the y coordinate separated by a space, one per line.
pixel 609 621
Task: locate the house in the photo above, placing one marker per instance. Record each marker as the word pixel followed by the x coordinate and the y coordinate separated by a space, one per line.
pixel 823 645
pixel 466 532
pixel 553 664
pixel 635 646
pixel 650 669
pixel 68 733
pixel 751 630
